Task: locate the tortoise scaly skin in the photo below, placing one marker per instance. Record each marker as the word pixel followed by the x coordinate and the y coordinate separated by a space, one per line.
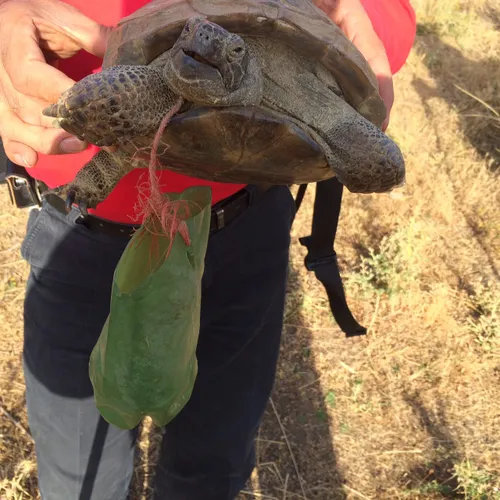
pixel 265 100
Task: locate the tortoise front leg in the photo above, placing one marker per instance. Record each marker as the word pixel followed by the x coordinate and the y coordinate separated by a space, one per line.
pixel 95 181
pixel 363 158
pixel 114 106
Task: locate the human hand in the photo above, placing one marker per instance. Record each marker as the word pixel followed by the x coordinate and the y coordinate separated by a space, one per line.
pixel 32 34
pixel 353 20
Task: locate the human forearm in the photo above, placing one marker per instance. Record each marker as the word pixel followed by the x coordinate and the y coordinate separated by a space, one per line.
pixel 353 20
pixel 31 31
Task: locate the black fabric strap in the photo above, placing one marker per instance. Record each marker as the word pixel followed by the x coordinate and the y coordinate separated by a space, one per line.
pixel 300 196
pixel 321 257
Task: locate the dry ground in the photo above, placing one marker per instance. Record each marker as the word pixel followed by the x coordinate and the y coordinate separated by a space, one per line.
pixel 412 411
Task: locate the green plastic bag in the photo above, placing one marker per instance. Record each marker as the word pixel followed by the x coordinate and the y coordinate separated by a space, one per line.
pixel 144 362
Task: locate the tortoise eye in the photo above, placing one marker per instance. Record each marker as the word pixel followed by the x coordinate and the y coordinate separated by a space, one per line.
pixel 236 46
pixel 236 52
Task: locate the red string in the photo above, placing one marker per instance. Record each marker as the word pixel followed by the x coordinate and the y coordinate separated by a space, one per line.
pixel 158 205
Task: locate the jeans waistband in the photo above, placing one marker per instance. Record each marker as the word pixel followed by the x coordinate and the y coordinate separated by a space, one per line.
pixel 223 212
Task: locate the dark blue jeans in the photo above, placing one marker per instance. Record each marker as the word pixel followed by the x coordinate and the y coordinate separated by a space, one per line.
pixel 208 450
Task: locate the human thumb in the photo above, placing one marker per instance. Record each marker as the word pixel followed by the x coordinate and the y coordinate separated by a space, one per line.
pixel 64 29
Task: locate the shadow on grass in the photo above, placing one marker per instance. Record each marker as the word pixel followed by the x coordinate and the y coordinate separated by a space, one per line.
pixel 295 436
pixel 300 406
pixel 492 13
pixel 450 69
pixel 479 123
pixel 436 476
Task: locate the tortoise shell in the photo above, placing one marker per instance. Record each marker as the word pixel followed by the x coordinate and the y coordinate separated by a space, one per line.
pixel 207 142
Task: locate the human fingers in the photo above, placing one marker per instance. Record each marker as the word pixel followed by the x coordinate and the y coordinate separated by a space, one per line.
pixel 23 141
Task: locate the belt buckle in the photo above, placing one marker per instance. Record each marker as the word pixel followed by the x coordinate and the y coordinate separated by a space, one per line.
pixel 219 217
pixel 23 189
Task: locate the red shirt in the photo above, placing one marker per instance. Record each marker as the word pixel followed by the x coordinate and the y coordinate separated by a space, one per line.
pixel 393 21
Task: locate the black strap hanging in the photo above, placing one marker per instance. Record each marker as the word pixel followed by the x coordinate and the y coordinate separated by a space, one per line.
pixel 321 257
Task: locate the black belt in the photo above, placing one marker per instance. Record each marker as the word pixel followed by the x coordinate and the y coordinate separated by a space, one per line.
pixel 223 212
pixel 321 257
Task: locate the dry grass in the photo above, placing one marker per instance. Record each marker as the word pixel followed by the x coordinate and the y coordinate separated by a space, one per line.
pixel 413 410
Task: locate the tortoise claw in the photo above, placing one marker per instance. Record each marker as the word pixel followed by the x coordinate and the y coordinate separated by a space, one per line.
pixel 51 111
pixel 73 196
pixel 83 207
pixel 70 199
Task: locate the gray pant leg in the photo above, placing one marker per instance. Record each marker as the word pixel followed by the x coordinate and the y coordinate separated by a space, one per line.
pixel 79 456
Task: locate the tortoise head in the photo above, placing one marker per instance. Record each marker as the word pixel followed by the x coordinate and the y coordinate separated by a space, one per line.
pixel 210 65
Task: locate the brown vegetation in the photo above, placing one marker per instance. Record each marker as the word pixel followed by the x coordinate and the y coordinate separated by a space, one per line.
pixel 412 411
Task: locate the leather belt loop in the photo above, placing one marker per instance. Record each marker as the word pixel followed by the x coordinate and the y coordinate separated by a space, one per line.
pixel 219 217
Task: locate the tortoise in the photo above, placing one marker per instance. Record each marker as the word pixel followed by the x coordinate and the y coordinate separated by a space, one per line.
pixel 272 91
